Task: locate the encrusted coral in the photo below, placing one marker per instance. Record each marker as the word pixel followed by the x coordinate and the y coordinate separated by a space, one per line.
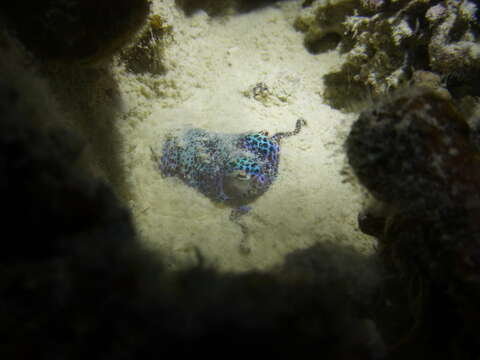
pixel 454 47
pixel 390 40
pixel 323 23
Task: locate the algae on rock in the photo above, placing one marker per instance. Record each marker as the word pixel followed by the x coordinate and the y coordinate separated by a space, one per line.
pixel 145 56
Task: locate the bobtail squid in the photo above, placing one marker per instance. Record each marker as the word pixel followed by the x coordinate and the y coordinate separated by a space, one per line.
pixel 233 169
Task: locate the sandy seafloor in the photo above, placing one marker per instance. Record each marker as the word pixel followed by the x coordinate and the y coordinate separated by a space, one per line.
pixel 212 64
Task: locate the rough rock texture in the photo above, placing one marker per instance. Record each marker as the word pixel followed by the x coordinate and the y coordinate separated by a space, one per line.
pixel 418 155
pixel 323 23
pixel 387 41
pixel 415 150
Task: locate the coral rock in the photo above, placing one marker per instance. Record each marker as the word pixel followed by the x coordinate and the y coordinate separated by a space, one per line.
pixel 415 147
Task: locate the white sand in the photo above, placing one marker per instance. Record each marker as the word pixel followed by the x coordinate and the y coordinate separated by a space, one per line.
pixel 213 63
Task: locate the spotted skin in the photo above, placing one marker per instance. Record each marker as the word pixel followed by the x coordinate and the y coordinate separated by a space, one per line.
pixel 228 168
